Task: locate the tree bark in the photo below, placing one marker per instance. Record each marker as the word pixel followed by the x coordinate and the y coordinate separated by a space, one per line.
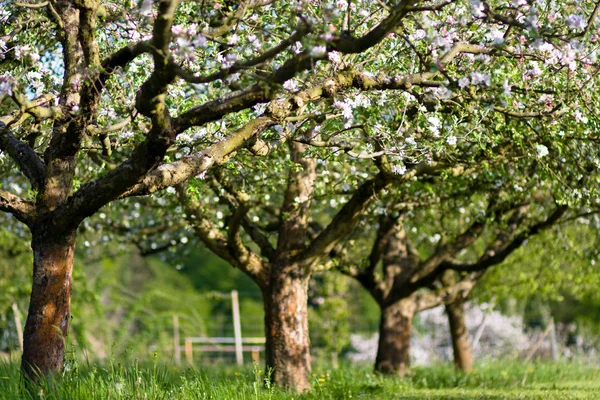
pixel 287 350
pixel 50 303
pixel 460 336
pixel 393 352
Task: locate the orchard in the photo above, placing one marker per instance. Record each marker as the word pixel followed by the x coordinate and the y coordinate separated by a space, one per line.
pixel 410 147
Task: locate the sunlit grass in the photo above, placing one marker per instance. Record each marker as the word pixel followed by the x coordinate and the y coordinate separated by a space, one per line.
pixel 493 380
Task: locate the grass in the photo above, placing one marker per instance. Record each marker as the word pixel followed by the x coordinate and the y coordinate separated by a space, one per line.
pixel 494 380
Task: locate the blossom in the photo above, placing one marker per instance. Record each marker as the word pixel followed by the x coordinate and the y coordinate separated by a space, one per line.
pixel 534 72
pixel 185 49
pixel 542 150
pixel 34 56
pixel 399 169
pixel 463 82
pixel 576 21
pixel 434 121
pixel 441 92
pixel 290 85
pixel 260 108
pixel 200 41
pixel 346 109
pixel 5 86
pixel 254 41
pixel 178 30
pixel 506 88
pixel 335 57
pixel 496 37
pixel 542 46
pixel 451 140
pixel 21 51
pixel 579 117
pixel 418 35
pixel 477 8
pixel 234 39
pixel 435 125
pixel 233 77
pixel 443 41
pixel 318 51
pixel 410 141
pixel 479 78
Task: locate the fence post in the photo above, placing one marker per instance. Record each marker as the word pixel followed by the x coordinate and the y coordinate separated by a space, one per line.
pixel 189 356
pixel 255 355
pixel 176 342
pixel 18 325
pixel 237 327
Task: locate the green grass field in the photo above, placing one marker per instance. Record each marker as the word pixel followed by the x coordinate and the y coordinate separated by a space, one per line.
pixel 493 380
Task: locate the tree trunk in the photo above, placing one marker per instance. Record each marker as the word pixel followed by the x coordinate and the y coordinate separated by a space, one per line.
pixel 287 349
pixel 460 336
pixel 50 303
pixel 393 352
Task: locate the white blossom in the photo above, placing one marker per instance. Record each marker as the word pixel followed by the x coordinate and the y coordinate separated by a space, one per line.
pixel 290 85
pixel 410 141
pixel 346 109
pixel 477 8
pixel 576 21
pixel 506 88
pixel 542 150
pixel 464 82
pixel 418 35
pixel 335 57
pixel 479 78
pixel 200 41
pixel 260 108
pixel 233 39
pixel 5 86
pixel 185 49
pixel 496 37
pixel 399 169
pixel 318 51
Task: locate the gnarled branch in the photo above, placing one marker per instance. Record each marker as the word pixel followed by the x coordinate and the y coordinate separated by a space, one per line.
pixel 22 210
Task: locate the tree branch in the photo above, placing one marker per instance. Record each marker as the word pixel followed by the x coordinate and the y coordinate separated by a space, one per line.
pixel 345 220
pixel 375 35
pixel 234 252
pixel 22 210
pixel 302 30
pixel 28 161
pixel 235 200
pixel 195 164
pixel 448 294
pixel 499 251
